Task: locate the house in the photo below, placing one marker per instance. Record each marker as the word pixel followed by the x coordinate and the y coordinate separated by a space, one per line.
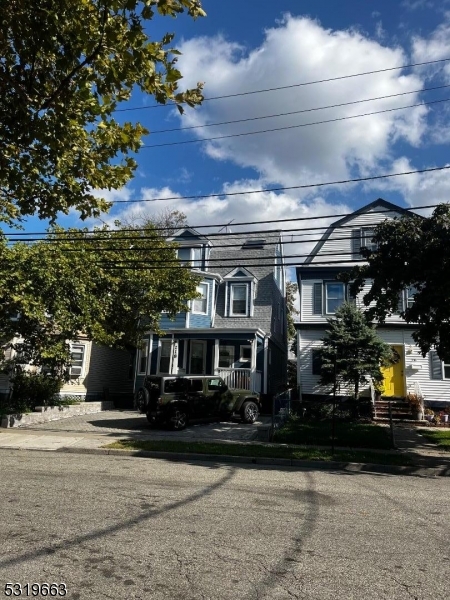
pixel 95 373
pixel 321 294
pixel 237 327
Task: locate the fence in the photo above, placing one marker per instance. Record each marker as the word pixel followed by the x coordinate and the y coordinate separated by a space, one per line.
pixel 281 409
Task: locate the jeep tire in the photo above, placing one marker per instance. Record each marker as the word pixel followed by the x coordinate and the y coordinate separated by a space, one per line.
pixel 249 411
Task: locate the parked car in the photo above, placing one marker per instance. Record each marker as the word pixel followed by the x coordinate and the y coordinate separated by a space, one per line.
pixel 174 400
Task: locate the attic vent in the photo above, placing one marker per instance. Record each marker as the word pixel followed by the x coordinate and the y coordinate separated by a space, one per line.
pixel 254 243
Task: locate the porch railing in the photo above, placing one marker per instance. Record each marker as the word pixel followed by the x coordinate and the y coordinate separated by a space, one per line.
pixel 241 379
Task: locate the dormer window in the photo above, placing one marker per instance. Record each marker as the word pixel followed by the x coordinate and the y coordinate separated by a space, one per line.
pixel 240 286
pixel 192 256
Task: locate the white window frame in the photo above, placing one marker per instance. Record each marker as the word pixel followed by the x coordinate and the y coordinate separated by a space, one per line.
pixel 246 285
pixel 326 284
pixel 143 352
pixel 367 234
pixel 73 373
pixel 160 345
pixel 410 292
pixel 200 312
pixel 444 365
pixel 192 259
pixel 232 353
pixel 241 354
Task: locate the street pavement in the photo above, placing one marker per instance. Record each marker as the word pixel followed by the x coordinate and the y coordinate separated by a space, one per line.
pixel 127 528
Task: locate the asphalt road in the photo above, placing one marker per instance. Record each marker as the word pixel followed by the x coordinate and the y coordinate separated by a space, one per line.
pixel 124 528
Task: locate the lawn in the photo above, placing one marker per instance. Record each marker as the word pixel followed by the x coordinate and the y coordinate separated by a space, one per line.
pixel 260 451
pixel 441 438
pixel 348 434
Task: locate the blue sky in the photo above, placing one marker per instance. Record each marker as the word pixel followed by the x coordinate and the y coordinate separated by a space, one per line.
pixel 245 46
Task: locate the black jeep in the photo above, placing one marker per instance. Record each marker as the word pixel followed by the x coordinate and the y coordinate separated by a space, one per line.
pixel 174 400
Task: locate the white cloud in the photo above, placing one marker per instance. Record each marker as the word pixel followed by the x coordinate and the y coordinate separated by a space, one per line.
pixel 300 50
pixel 434 47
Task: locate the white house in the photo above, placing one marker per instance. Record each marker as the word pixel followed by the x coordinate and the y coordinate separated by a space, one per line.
pixel 321 294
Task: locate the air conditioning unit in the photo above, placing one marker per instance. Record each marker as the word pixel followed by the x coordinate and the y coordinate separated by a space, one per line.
pixel 75 371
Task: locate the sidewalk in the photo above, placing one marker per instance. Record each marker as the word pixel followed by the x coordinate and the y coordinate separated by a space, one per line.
pixel 427 459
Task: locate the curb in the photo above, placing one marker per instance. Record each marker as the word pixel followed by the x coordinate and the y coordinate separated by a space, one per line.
pixel 281 462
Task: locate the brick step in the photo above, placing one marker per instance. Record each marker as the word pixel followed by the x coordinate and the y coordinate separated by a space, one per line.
pixel 392 403
pixel 399 415
pixel 395 420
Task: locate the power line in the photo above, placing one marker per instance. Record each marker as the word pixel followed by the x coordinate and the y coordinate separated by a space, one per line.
pixel 297 112
pixel 103 235
pixel 288 127
pixel 283 188
pixel 294 85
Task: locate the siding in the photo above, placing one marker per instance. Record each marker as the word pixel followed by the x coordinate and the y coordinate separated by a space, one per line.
pixel 338 245
pixel 177 323
pixel 417 367
pixel 203 321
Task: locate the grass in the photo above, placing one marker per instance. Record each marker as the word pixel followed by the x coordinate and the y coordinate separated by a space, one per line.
pixel 349 434
pixel 260 451
pixel 441 438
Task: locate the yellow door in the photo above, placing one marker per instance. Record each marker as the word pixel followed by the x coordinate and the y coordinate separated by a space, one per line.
pixel 393 379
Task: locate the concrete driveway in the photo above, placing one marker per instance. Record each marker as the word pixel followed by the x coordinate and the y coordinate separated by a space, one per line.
pixel 131 423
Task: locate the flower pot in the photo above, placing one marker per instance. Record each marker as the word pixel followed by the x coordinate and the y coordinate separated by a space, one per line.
pixel 429 417
pixel 418 415
pixel 444 418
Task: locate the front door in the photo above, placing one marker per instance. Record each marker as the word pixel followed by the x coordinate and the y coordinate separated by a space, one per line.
pixel 198 357
pixel 393 376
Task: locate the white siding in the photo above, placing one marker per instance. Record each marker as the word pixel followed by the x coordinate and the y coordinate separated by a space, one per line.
pixel 417 367
pixel 339 242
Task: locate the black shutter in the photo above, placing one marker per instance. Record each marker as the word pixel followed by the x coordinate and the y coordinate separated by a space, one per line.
pixel 316 362
pixel 435 365
pixel 317 300
pixel 356 243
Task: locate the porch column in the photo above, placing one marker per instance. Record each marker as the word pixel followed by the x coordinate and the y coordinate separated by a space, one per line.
pixel 253 365
pixel 216 356
pixel 266 363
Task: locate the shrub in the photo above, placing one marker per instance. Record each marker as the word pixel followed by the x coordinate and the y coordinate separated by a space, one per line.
pixel 32 389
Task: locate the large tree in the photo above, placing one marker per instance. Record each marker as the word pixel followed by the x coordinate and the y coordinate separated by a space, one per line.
pixel 65 67
pixel 109 285
pixel 352 353
pixel 412 264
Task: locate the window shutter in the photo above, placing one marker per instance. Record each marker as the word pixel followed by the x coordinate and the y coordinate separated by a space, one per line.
pixel 356 243
pixel 435 365
pixel 317 300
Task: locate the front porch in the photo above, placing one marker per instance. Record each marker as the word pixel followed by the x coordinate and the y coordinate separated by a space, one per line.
pixel 239 359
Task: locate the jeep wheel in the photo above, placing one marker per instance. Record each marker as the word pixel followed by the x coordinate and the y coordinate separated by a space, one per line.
pixel 178 419
pixel 249 412
pixel 151 419
pixel 142 399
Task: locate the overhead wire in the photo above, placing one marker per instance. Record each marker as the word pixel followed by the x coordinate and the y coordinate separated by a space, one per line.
pixel 289 127
pixel 102 235
pixel 294 85
pixel 297 112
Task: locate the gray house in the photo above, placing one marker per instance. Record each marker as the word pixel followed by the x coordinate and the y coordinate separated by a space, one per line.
pixel 237 327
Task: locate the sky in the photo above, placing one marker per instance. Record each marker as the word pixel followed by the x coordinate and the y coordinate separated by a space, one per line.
pixel 254 45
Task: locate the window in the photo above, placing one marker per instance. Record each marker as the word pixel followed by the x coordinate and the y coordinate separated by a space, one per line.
pixel 410 293
pixel 143 356
pixel 438 369
pixel 334 297
pixel 175 386
pixel 191 256
pixel 239 299
pixel 200 305
pixel 226 357
pixel 196 385
pixel 165 356
pixel 367 234
pixel 215 385
pixel 245 356
pixel 77 353
pixel 316 362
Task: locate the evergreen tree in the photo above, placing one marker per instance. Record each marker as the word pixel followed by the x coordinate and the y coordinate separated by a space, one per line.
pixel 352 352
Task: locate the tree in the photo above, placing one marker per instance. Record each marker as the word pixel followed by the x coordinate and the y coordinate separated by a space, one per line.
pixel 66 65
pixel 413 254
pixel 352 352
pixel 291 312
pixel 109 285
